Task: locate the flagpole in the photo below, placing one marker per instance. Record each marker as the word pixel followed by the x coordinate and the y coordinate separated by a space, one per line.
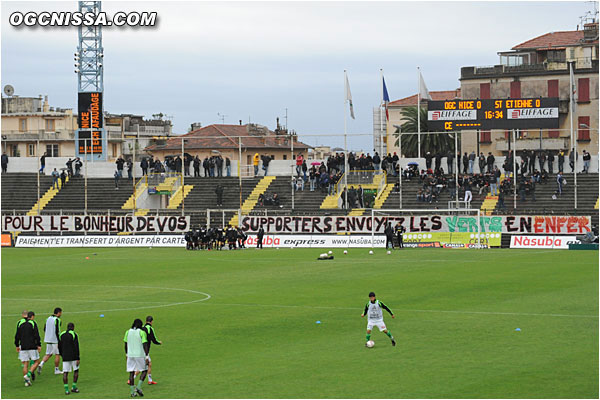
pixel 419 114
pixel 381 118
pixel 345 144
pixel 573 138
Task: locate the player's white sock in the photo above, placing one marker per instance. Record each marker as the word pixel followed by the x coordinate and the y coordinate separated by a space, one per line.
pixel 42 364
pixel 149 378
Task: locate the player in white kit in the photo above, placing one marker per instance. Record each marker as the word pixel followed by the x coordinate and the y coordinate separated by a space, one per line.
pixel 51 335
pixel 374 311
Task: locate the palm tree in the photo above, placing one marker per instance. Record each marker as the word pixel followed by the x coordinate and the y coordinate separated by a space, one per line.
pixel 429 142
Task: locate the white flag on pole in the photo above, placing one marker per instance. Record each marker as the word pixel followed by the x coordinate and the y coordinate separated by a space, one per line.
pixel 423 89
pixel 349 96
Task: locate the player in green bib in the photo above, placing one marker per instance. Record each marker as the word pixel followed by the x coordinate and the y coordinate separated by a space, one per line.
pixel 136 348
pixel 374 311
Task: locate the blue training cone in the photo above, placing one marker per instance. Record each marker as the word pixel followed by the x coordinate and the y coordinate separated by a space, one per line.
pixel 318 322
pixel 518 329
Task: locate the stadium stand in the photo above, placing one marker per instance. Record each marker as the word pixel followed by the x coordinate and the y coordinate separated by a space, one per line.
pixel 19 190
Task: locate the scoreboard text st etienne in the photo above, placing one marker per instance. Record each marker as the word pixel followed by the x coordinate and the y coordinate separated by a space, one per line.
pixel 454 115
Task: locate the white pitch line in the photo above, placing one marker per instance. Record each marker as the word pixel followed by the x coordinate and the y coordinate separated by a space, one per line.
pixel 85 301
pixel 130 308
pixel 408 310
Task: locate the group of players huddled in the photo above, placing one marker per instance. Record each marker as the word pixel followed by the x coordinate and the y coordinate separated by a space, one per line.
pixel 215 238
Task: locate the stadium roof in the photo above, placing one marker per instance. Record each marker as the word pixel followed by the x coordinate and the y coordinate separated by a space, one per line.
pixel 435 95
pixel 218 136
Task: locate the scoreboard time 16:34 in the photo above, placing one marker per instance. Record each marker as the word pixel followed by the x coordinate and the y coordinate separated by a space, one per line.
pixel 453 115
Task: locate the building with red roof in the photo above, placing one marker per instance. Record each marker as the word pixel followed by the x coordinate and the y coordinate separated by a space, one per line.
pixel 229 140
pixel 539 67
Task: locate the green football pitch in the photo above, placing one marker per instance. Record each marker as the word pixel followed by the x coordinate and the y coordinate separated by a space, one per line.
pixel 244 324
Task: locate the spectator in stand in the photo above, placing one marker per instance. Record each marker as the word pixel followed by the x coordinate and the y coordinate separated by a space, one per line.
pixel 186 163
pixel 559 182
pixel 490 162
pixel 586 162
pixel 206 166
pixel 219 193
pixel 561 160
pixel 255 162
pixel 361 196
pixel 312 177
pixel 550 162
pixel 55 176
pixel 532 157
pixel 438 161
pixel 78 165
pixel 465 160
pixel 428 158
pixel 304 169
pixel 376 161
pixel 265 161
pixel 219 165
pixel 395 160
pixel 196 166
pixel 573 155
pixel 501 200
pixel 43 162
pixel 472 157
pixel 299 161
pixel 542 159
pixel 129 169
pixel 4 162
pixel 450 161
pixel 493 183
pixel 212 164
pixel 120 162
pixel 69 165
pixel 228 166
pixel 144 166
pixel 467 186
pixel 63 178
pixel 117 176
pixel 482 163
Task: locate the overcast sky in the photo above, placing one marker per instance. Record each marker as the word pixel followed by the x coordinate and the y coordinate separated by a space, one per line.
pixel 252 60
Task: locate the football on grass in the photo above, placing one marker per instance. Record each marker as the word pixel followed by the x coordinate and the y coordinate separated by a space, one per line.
pixel 370 343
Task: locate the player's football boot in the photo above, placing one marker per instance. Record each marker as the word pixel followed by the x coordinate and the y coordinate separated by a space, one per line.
pixel 152 382
pixel 75 390
pixel 139 392
pixel 393 342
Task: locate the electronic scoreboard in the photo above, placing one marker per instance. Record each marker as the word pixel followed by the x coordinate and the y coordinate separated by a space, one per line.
pixel 455 115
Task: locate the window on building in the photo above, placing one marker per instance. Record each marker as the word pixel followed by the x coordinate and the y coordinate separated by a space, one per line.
pixel 22 124
pixel 557 55
pixel 583 129
pixel 272 156
pixel 583 90
pixel 52 150
pixel 484 90
pixel 553 88
pixel 115 149
pixel 30 150
pixel 285 156
pixel 49 124
pixel 485 136
pixel 515 89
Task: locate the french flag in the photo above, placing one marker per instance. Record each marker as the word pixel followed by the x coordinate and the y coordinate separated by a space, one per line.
pixel 386 100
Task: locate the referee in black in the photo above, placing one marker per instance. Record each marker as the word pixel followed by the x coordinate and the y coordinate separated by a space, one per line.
pixel 399 234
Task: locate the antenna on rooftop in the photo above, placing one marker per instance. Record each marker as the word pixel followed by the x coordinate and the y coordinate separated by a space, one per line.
pixel 222 117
